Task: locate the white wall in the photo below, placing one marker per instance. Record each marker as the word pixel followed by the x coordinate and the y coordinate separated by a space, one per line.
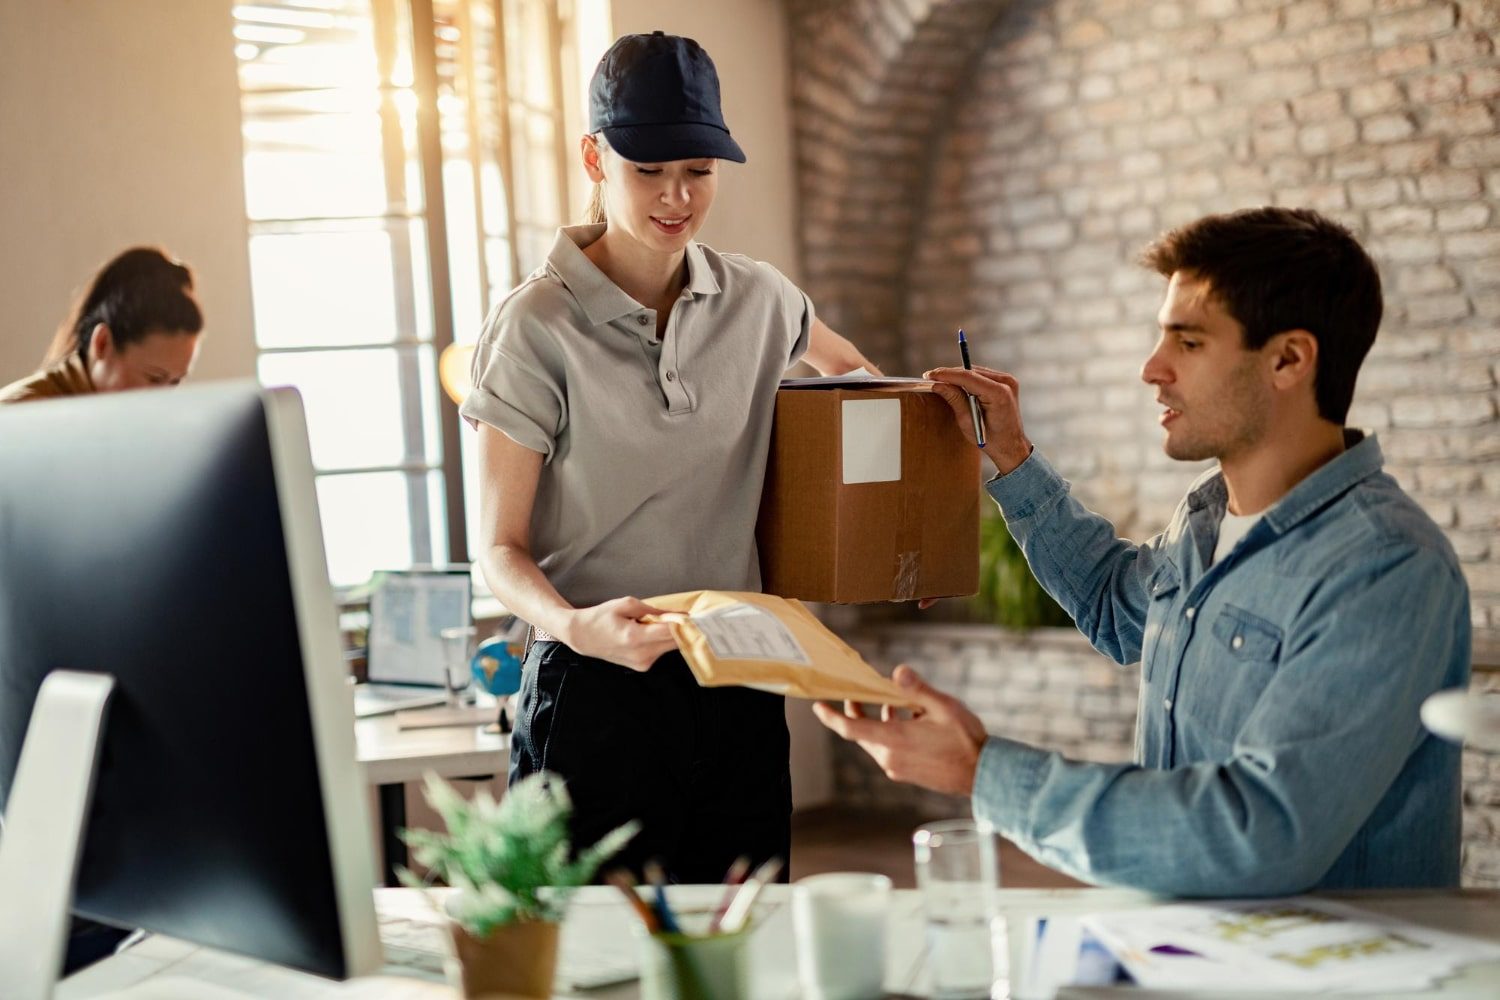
pixel 755 210
pixel 119 125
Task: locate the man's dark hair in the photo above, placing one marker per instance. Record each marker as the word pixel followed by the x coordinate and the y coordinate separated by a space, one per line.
pixel 1277 269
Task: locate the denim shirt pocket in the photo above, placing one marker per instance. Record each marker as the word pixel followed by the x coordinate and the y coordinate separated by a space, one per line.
pixel 1245 637
pixel 1162 588
pixel 1243 655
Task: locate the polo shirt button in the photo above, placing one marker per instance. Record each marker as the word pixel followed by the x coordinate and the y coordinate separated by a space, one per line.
pixel 671 375
pixel 1190 612
pixel 1236 642
pixel 643 320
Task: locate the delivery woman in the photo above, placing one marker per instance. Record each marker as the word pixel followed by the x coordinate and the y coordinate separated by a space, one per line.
pixel 623 397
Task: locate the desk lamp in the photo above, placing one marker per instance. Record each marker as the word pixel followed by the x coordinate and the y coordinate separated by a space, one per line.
pixel 1465 717
pixel 453 371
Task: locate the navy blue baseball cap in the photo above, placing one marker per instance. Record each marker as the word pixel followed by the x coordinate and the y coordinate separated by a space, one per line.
pixel 656 99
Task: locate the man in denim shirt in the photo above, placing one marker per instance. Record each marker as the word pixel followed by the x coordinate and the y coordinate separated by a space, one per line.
pixel 1289 622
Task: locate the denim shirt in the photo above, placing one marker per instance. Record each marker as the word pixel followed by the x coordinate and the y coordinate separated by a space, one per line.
pixel 1278 746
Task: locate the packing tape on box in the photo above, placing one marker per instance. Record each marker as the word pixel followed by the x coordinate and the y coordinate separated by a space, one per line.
pixel 908 572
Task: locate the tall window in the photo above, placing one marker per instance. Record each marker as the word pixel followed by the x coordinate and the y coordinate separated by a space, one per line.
pixel 406 163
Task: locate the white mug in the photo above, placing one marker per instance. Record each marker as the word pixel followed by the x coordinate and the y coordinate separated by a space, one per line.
pixel 839 922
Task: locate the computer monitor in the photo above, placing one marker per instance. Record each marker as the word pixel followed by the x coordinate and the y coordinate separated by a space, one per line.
pixel 171 541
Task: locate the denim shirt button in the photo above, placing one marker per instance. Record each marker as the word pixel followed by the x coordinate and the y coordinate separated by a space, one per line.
pixel 1167 704
pixel 1236 642
pixel 1190 612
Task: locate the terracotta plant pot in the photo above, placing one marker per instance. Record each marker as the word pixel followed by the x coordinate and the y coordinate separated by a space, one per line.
pixel 516 960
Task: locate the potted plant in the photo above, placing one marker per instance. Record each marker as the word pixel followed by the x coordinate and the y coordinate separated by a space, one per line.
pixel 1008 594
pixel 514 871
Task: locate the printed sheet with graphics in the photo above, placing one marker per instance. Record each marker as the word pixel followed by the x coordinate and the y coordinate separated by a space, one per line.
pixel 1301 944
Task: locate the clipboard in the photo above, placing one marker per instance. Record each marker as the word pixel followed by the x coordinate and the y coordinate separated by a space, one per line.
pixel 408 611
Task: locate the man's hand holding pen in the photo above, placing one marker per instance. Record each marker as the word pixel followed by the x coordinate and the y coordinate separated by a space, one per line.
pixel 999 396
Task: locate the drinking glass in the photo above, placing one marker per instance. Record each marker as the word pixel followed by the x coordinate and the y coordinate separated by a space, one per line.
pixel 958 874
pixel 458 653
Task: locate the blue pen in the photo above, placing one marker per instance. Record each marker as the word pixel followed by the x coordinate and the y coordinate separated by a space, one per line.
pixel 664 914
pixel 963 348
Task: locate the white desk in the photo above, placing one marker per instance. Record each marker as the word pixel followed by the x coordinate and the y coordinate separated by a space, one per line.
pixel 390 756
pixel 599 916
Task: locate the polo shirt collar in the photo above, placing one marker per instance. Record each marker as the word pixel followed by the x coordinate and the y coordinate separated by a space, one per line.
pixel 1360 460
pixel 602 300
pixel 701 280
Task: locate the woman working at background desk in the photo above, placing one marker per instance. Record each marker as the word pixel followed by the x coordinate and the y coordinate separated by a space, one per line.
pixel 623 397
pixel 137 326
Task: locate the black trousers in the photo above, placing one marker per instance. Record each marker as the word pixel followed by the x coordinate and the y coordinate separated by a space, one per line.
pixel 705 770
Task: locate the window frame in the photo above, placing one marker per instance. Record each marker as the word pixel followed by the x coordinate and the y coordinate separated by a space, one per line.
pixel 417 384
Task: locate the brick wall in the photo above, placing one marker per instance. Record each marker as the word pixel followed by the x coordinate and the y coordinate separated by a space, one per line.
pixel 996 165
pixel 1049 688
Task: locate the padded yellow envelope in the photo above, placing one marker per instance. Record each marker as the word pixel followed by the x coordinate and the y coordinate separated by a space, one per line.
pixel 770 643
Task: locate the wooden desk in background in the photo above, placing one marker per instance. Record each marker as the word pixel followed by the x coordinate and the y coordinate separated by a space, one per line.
pixel 391 757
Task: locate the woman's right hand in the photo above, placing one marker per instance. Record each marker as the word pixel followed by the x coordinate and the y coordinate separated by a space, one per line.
pixel 613 631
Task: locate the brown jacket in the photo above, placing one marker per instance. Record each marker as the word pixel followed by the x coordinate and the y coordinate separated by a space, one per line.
pixel 68 377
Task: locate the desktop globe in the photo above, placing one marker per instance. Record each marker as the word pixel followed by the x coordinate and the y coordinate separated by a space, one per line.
pixel 496 668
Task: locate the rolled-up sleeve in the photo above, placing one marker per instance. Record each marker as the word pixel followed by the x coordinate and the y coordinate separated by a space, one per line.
pixel 796 312
pixel 515 395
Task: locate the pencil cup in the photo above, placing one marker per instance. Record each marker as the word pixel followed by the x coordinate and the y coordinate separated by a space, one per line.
pixel 692 966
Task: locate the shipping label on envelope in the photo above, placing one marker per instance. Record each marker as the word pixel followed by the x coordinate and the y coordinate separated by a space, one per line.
pixel 745 632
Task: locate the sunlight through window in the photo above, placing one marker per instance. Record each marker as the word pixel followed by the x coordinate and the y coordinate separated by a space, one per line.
pixel 406 164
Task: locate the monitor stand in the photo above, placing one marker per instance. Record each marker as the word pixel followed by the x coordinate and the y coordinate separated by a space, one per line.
pixel 41 840
pixel 43 833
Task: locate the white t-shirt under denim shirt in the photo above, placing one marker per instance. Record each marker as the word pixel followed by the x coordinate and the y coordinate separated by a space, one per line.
pixel 1231 530
pixel 654 452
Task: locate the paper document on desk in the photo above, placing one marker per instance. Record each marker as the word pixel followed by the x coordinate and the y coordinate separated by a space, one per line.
pixel 1300 944
pixel 772 644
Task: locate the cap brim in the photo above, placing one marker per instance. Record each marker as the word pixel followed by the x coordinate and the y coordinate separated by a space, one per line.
pixel 678 141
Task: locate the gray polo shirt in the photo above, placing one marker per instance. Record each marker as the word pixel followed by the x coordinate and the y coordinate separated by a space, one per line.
pixel 655 453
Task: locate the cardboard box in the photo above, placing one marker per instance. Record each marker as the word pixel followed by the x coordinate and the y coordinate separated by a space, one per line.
pixel 870 495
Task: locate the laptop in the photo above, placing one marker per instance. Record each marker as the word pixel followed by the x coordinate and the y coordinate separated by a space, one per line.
pixel 408 611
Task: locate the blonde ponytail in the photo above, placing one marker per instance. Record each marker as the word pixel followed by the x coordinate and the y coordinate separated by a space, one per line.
pixel 595 214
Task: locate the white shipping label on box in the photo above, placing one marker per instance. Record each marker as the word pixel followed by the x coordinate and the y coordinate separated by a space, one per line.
pixel 872 440
pixel 745 632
